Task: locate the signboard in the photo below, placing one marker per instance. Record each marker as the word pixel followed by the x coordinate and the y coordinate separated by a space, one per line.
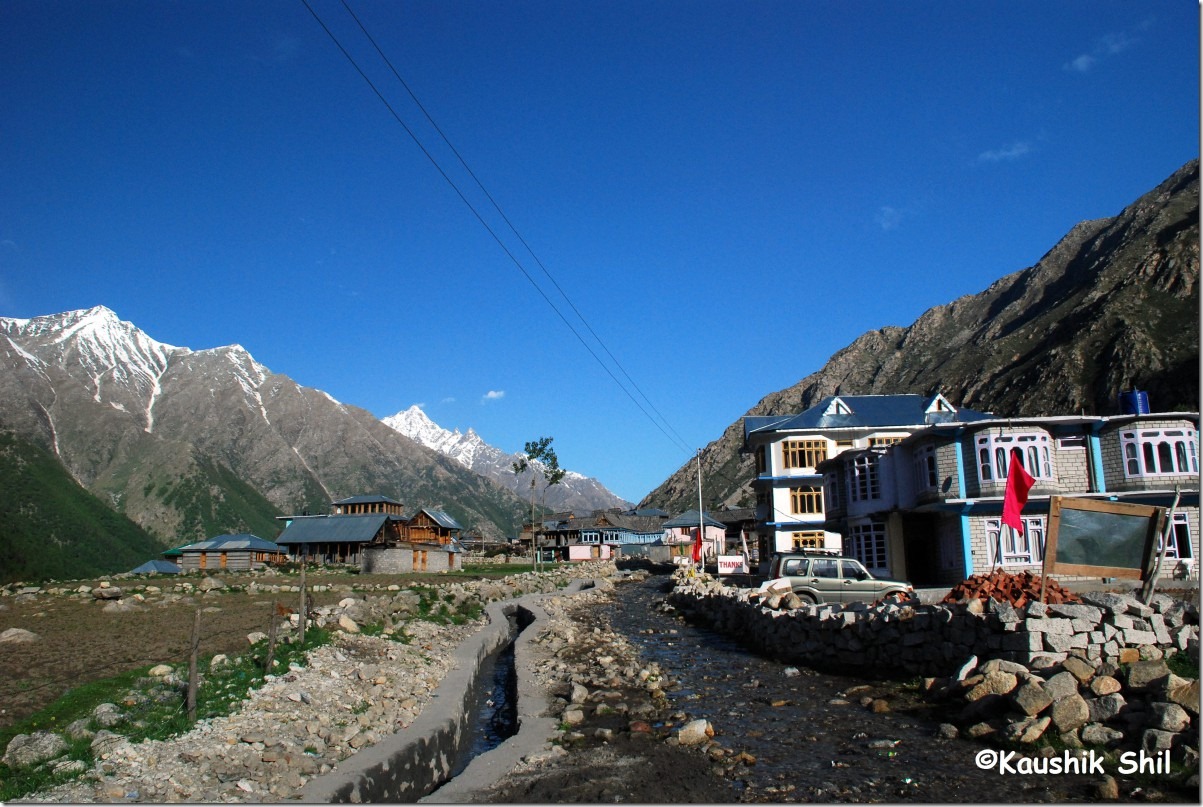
pixel 1101 538
pixel 732 564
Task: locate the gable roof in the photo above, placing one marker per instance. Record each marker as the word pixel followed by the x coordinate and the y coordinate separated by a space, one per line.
pixel 369 499
pixel 441 518
pixel 334 529
pixel 867 411
pixel 157 567
pixel 246 541
pixel 690 519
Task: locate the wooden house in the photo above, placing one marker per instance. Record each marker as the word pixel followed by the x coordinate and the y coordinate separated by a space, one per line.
pixel 230 552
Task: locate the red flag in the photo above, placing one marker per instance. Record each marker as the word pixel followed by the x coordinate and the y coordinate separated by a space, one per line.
pixel 1019 482
pixel 697 545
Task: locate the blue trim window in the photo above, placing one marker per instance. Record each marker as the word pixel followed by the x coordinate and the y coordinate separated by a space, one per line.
pixel 994 455
pixel 1160 452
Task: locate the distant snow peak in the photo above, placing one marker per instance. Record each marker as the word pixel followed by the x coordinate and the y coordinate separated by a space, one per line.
pixel 471 451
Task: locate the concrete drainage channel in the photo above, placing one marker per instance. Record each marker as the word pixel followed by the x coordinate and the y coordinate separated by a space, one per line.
pixel 418 763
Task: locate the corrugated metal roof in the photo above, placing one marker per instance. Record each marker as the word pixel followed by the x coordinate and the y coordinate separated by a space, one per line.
pixel 368 500
pixel 157 567
pixel 442 519
pixel 690 519
pixel 865 411
pixel 333 529
pixel 229 542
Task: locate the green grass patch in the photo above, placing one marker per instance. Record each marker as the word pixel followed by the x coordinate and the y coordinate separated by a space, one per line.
pixel 151 708
pixel 1183 665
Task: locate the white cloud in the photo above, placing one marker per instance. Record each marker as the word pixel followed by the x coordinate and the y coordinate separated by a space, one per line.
pixel 448 400
pixel 1018 149
pixel 493 395
pixel 1106 46
pixel 888 218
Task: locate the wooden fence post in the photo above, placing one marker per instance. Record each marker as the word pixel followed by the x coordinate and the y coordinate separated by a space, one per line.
pixel 302 612
pixel 271 640
pixel 193 675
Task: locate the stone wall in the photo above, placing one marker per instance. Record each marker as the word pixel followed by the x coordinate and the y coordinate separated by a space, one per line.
pixel 934 639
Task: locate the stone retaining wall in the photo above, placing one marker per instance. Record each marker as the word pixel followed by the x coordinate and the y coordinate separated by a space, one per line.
pixel 933 639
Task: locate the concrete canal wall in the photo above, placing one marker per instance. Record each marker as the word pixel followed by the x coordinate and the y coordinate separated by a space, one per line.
pixel 934 639
pixel 417 760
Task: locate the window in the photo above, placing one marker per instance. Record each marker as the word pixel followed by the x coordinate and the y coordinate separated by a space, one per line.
pixel 884 441
pixel 834 490
pixel 1018 548
pixel 1159 452
pixel 927 476
pixel 863 480
pixel 824 567
pixel 590 537
pixel 867 543
pixel 806 500
pixel 761 465
pixel 994 455
pixel 808 540
pixel 803 453
pixel 794 566
pixel 1179 547
pixel 1074 443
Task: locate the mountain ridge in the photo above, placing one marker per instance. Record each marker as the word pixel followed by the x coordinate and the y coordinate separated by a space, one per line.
pixel 1112 306
pixel 191 443
pixel 575 492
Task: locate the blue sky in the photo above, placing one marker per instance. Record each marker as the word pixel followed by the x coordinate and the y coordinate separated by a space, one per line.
pixel 728 192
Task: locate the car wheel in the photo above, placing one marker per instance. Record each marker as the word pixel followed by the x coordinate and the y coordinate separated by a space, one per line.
pixel 806 597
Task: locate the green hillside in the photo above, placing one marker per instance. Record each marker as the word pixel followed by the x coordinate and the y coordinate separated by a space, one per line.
pixel 53 529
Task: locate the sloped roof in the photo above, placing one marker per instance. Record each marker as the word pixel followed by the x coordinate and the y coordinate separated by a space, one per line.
pixel 374 498
pixel 866 411
pixel 157 567
pixel 441 518
pixel 334 529
pixel 690 519
pixel 252 543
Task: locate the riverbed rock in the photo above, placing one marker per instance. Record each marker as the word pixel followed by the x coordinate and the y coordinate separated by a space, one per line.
pixel 695 732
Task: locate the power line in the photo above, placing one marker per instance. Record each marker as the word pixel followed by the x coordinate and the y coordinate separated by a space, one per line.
pixel 674 437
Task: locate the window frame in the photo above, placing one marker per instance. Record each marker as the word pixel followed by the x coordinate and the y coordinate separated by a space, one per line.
pixel 1145 448
pixel 992 453
pixel 797 454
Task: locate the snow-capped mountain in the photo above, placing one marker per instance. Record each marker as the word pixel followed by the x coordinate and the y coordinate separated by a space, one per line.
pixel 575 492
pixel 195 443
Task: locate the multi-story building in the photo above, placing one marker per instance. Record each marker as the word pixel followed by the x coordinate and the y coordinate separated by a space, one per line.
pixel 789 449
pixel 929 507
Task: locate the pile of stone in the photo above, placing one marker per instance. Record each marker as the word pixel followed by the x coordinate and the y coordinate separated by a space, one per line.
pixel 933 639
pixel 1139 706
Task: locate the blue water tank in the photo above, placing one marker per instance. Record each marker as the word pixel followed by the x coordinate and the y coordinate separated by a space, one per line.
pixel 1135 402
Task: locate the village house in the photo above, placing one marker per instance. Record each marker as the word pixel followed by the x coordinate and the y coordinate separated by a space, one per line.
pixel 929 508
pixel 600 535
pixel 789 510
pixel 680 533
pixel 376 534
pixel 241 552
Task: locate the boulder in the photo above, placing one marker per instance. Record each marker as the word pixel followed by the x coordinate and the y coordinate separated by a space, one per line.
pixel 995 683
pixel 1104 685
pixel 29 749
pixel 1031 698
pixel 1100 735
pixel 106 593
pixel 1028 730
pixel 1168 717
pixel 695 732
pixel 1070 712
pixel 211 584
pixel 18 635
pixel 1143 675
pixel 348 625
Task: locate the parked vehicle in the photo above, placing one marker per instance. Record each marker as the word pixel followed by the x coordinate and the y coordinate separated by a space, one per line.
pixel 820 576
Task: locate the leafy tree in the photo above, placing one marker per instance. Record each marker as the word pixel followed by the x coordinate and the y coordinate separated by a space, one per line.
pixel 539 455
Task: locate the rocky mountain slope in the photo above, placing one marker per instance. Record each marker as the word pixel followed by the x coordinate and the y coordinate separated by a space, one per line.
pixel 1114 306
pixel 190 444
pixel 575 492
